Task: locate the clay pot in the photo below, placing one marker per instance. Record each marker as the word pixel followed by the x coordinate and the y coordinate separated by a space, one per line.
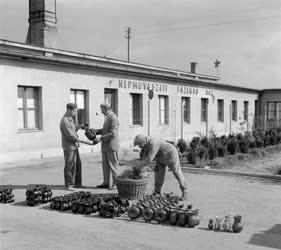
pixel 211 224
pixel 218 221
pixel 148 214
pixel 196 211
pixel 226 224
pixel 134 212
pixel 192 219
pixel 174 217
pixel 237 226
pixel 161 215
pixel 182 218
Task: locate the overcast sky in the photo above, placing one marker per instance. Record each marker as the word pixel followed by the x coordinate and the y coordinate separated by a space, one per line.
pixel 245 35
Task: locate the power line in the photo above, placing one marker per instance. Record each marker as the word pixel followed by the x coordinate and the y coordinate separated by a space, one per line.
pixel 207 25
pixel 226 13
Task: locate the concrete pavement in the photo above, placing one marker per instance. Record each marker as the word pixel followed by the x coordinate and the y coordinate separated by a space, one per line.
pixel 22 227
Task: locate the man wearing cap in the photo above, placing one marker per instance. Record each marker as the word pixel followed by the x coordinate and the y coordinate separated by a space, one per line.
pixel 109 146
pixel 165 154
pixel 70 140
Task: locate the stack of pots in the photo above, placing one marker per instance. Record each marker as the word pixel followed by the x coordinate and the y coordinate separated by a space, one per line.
pixel 164 209
pixel 6 195
pixel 37 195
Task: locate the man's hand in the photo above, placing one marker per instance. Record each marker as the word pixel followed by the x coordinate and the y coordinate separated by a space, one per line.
pixel 96 141
pixel 86 142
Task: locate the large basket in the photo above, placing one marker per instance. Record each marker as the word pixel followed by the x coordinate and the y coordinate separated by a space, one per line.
pixel 131 189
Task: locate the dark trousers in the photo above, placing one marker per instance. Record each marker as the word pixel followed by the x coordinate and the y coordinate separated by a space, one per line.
pixel 160 171
pixel 72 168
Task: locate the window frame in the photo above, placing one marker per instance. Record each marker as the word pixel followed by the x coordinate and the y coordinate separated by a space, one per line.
pixel 204 101
pixel 274 110
pixel 86 109
pixel 220 110
pixel 246 111
pixel 25 109
pixel 166 109
pixel 139 109
pixel 185 100
pixel 235 111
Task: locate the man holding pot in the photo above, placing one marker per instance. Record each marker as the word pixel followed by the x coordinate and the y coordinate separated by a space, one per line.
pixel 70 145
pixel 109 145
pixel 165 154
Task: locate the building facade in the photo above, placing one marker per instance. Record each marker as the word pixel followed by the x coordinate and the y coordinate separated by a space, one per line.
pixel 37 81
pixel 36 84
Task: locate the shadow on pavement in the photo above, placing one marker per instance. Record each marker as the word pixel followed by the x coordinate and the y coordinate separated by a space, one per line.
pixel 270 238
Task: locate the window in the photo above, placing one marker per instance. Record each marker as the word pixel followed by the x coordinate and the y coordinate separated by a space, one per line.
pixel 220 110
pixel 246 110
pixel 79 97
pixel 28 107
pixel 273 110
pixel 163 109
pixel 111 97
pixel 186 109
pixel 204 109
pixel 135 109
pixel 234 110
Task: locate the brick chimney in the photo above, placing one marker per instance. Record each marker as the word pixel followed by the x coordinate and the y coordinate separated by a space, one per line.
pixel 42 20
pixel 193 67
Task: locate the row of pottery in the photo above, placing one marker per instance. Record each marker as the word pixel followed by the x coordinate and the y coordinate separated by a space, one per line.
pixel 226 225
pixel 107 205
pixel 164 209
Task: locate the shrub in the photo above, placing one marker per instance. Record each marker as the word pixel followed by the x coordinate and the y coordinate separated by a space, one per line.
pixel 232 146
pixel 201 152
pixel 221 151
pixel 244 145
pixel 182 145
pixel 194 142
pixel 212 152
pixel 266 140
pixel 252 144
pixel 205 141
pixel 259 142
pixel 223 140
pixel 191 157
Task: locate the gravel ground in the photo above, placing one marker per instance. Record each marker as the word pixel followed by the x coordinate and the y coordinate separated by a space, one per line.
pixel 25 227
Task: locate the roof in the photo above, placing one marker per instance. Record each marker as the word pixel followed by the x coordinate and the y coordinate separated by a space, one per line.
pixel 23 51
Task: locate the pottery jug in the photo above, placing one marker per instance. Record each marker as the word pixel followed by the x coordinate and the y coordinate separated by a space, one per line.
pixel 237 226
pixel 192 219
pixel 211 224
pixel 174 217
pixel 134 212
pixel 226 224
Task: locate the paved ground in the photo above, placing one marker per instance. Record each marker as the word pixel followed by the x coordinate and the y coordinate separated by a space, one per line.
pixel 25 227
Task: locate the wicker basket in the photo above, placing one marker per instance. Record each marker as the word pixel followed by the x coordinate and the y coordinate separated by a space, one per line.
pixel 131 189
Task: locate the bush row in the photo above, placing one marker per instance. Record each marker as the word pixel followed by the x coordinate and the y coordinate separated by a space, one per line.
pixel 203 148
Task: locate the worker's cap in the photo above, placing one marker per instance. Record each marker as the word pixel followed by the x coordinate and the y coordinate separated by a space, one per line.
pixel 139 139
pixel 105 106
pixel 71 106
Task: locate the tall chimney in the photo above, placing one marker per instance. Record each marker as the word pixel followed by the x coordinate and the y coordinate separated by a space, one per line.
pixel 193 67
pixel 42 20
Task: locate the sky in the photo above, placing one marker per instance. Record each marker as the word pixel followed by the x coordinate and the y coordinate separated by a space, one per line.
pixel 245 35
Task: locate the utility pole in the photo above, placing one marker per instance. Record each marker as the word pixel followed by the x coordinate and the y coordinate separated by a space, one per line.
pixel 128 37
